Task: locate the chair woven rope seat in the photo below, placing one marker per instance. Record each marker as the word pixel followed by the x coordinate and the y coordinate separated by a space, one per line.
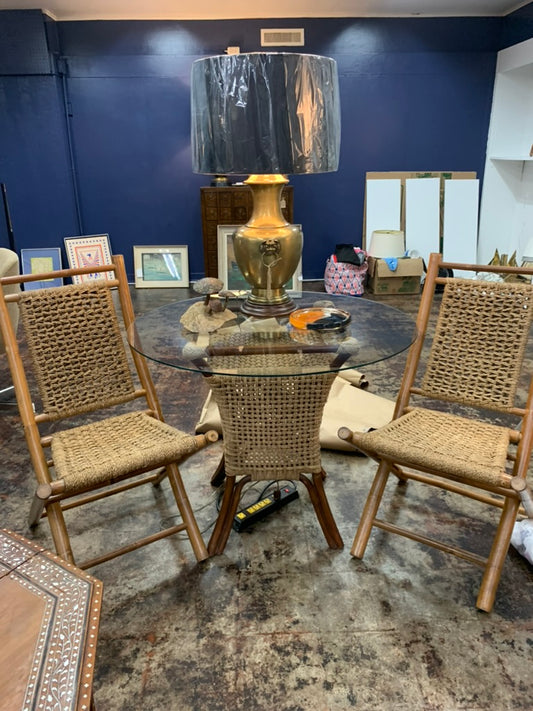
pixel 427 438
pixel 102 452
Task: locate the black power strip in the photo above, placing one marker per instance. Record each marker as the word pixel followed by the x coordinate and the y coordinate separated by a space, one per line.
pixel 251 514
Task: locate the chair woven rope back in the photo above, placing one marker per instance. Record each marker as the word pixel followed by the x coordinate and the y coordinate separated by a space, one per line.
pixel 64 328
pixel 473 361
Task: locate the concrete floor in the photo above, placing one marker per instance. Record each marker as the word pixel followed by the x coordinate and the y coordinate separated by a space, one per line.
pixel 280 622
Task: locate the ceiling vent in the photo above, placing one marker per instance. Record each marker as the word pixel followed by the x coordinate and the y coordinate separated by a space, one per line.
pixel 282 38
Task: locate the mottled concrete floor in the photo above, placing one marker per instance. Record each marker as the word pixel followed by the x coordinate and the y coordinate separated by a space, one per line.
pixel 280 621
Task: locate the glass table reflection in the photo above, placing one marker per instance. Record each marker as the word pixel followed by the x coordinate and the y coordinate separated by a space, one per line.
pixel 270 382
pixel 245 346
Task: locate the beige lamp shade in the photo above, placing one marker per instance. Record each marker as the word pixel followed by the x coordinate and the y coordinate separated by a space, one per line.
pixel 387 243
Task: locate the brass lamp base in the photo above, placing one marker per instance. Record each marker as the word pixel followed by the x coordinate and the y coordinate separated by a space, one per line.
pixel 266 309
pixel 267 250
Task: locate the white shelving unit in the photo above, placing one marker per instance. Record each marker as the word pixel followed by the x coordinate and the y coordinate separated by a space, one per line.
pixel 506 218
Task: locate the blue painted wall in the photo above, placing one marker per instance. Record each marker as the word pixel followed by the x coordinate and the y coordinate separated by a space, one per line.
pixel 94 121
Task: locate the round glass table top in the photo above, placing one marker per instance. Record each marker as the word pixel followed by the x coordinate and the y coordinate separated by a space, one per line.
pixel 333 333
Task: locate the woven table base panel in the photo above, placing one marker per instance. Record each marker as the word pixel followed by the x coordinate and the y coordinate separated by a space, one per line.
pixel 271 425
pixel 106 450
pixel 437 440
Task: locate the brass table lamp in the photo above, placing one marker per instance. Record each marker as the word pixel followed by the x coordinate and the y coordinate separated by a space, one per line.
pixel 265 115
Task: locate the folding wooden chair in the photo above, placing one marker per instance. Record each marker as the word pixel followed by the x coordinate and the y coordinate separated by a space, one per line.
pixel 74 335
pixel 482 447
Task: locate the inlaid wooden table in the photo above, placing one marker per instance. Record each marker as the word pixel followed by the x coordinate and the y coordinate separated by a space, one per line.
pixel 49 616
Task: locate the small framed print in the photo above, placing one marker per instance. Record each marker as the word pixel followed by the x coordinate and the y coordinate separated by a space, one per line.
pixel 88 251
pixel 161 266
pixel 229 272
pixel 41 261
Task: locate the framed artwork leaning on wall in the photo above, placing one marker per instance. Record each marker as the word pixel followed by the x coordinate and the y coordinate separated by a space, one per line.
pixel 161 266
pixel 88 251
pixel 41 261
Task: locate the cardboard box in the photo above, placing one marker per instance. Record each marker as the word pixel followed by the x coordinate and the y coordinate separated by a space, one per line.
pixel 404 280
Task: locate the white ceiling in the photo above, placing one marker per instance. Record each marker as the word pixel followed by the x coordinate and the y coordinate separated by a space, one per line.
pixel 243 9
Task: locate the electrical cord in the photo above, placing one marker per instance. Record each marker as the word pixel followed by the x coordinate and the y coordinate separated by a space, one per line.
pixel 217 497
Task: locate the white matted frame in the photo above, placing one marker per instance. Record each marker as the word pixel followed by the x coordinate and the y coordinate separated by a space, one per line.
pixel 229 272
pixel 41 261
pixel 161 266
pixel 88 251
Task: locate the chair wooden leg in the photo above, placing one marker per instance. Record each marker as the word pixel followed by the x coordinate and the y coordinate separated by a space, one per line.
pixel 320 503
pixel 218 477
pixel 160 476
pixel 185 509
pixel 58 529
pixel 41 496
pixel 498 553
pixel 228 509
pixel 370 510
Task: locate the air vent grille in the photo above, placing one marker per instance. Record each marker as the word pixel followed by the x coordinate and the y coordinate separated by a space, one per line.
pixel 282 38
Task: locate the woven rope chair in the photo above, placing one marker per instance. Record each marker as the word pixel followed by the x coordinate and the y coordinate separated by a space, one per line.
pixel 464 433
pixel 270 429
pixel 80 366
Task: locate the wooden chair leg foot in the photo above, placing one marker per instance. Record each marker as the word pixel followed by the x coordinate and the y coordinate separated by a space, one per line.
pixel 322 509
pixel 185 509
pixel 59 533
pixel 228 509
pixel 498 554
pixel 370 510
pixel 40 499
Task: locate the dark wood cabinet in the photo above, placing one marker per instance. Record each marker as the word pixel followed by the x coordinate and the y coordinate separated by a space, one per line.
pixel 230 206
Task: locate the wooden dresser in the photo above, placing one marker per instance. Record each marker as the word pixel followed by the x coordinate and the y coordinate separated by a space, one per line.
pixel 230 206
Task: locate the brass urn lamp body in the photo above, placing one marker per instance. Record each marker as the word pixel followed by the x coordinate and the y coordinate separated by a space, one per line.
pixel 265 115
pixel 267 249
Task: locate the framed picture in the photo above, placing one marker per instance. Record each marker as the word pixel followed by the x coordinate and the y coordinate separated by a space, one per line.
pixel 161 267
pixel 229 272
pixel 88 251
pixel 41 261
